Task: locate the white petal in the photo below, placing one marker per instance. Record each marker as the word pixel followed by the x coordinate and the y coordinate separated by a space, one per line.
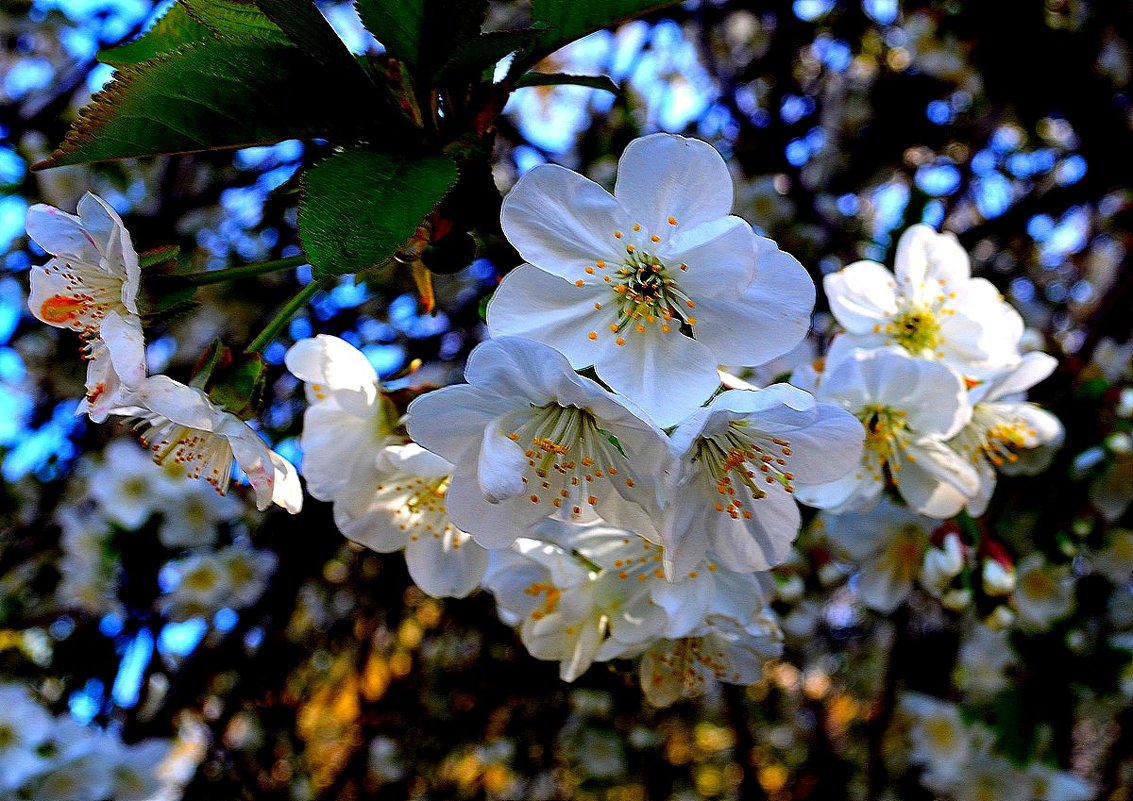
pixel 126 343
pixel 450 421
pixel 337 449
pixel 861 296
pixel 60 233
pixel 500 465
pixel 667 375
pixel 770 317
pixel 719 255
pixel 534 304
pixel 562 222
pixel 759 543
pixel 662 176
pixel 286 490
pixel 338 366
pixel 448 566
pixel 923 255
pixel 939 482
pixel 186 406
pixel 493 525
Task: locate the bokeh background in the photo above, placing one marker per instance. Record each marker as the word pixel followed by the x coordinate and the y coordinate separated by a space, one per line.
pixel 318 670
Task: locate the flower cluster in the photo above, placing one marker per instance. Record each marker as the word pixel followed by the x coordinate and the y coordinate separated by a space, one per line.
pixel 91 286
pixel 593 473
pixel 48 758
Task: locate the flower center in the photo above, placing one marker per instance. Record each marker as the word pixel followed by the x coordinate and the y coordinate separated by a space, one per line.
pixel 886 434
pixel 917 326
pixel 736 459
pixel 550 594
pixel 89 293
pixel 1038 584
pixel 645 293
pixel 424 512
pixel 998 437
pixel 202 454
pixel 570 455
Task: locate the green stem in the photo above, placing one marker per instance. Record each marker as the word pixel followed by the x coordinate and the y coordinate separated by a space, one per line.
pixel 243 271
pixel 285 314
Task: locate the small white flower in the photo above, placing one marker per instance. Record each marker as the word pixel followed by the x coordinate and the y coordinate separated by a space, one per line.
pixel 135 771
pixel 1115 561
pixel 741 458
pixel 984 656
pixel 909 407
pixel 655 285
pixel 997 578
pixel 24 727
pixel 1006 434
pixel 1050 784
pixel 202 584
pixel 530 438
pixel 248 570
pixel 180 424
pixel 1043 594
pixel 127 485
pixel 932 307
pixel 406 510
pixel 938 737
pixel 888 543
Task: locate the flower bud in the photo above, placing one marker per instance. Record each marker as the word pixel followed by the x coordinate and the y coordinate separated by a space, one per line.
pixel 998 577
pixel 1000 618
pixel 789 588
pixel 942 564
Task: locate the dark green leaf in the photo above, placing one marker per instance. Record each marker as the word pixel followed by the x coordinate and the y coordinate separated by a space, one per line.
pixel 602 82
pixel 573 19
pixel 305 25
pixel 161 255
pixel 360 206
pixel 476 55
pixel 212 94
pixel 423 33
pixel 397 24
pixel 192 21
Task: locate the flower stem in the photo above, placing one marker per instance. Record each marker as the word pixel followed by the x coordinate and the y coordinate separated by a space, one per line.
pixel 243 271
pixel 285 314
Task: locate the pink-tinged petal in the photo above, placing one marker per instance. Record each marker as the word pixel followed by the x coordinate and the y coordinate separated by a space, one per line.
pixel 286 490
pixel 562 222
pixel 536 305
pixel 126 343
pixel 254 458
pixel 61 234
pixel 450 421
pixel 771 316
pixel 718 255
pixel 862 295
pixel 500 465
pixel 662 176
pixel 118 255
pixel 449 565
pixel 52 300
pixel 924 255
pixel 667 375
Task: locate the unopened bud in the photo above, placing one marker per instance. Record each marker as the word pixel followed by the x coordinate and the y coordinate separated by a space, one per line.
pixel 789 588
pixel 943 564
pixel 998 578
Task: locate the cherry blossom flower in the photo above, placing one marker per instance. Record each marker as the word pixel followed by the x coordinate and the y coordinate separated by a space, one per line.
pixel 406 510
pixel 654 285
pixel 180 424
pixel 740 460
pixel 909 408
pixel 1043 593
pixel 94 269
pixel 24 727
pixel 1004 430
pixel 931 306
pixel 90 286
pixel 888 543
pixel 530 438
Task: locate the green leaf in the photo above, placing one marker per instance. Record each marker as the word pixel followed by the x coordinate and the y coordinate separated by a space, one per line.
pixel 573 19
pixel 193 21
pixel 397 24
pixel 602 82
pixel 360 206
pixel 476 55
pixel 305 25
pixel 175 28
pixel 422 33
pixel 213 94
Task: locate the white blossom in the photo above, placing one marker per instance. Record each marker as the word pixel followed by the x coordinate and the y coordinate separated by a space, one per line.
pixel 655 285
